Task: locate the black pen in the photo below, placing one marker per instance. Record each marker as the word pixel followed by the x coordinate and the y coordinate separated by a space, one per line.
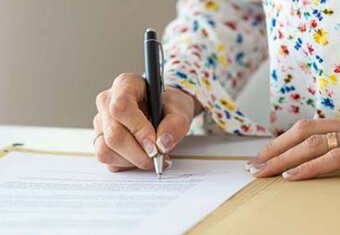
pixel 154 86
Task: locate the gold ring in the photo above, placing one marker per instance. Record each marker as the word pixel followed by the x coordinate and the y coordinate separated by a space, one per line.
pixel 95 139
pixel 332 140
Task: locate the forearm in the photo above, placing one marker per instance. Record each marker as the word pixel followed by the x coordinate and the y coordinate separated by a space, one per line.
pixel 204 60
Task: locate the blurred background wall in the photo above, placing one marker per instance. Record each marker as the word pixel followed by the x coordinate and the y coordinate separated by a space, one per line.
pixel 56 55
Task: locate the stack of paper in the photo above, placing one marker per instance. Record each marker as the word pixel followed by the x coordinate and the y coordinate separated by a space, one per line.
pixel 48 194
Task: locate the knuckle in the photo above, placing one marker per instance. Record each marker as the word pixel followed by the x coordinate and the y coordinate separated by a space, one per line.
pixel 314 141
pixel 334 122
pixel 334 156
pixel 270 146
pixel 113 137
pixel 102 98
pixel 123 77
pixel 303 124
pixel 312 167
pixel 275 165
pixel 183 121
pixel 103 155
pixel 139 128
pixel 281 162
pixel 118 107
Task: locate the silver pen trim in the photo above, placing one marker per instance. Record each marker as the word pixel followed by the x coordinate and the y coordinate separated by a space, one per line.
pixel 158 161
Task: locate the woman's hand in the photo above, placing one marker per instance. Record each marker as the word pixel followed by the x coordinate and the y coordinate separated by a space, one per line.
pixel 129 139
pixel 303 152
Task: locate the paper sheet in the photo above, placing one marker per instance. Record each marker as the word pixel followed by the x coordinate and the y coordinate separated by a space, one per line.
pixel 45 194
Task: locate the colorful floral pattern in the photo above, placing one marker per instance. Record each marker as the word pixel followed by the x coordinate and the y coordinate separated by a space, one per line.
pixel 213 47
pixel 305 56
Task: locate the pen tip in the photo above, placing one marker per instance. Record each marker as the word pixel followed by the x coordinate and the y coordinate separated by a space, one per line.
pixel 159 176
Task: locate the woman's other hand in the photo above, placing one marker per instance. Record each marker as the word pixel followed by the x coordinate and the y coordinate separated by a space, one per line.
pixel 303 152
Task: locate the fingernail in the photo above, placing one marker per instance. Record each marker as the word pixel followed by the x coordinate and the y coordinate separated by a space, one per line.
pixel 168 164
pixel 251 163
pixel 149 147
pixel 290 173
pixel 257 168
pixel 165 142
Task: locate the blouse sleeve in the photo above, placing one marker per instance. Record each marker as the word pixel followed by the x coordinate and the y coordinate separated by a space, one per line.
pixel 211 49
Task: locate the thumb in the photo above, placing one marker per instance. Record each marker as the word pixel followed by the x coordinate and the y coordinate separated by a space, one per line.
pixel 172 129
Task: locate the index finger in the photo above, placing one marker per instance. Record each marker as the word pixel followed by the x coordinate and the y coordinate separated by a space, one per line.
pixel 129 85
pixel 128 91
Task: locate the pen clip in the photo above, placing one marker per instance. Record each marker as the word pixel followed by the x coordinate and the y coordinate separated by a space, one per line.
pixel 162 65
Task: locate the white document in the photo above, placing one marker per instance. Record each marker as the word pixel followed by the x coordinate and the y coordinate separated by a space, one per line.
pixel 45 194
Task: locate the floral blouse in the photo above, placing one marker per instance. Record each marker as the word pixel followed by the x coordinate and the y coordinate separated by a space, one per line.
pixel 213 46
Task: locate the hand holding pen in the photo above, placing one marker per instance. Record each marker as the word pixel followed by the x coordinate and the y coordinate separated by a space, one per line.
pixel 126 139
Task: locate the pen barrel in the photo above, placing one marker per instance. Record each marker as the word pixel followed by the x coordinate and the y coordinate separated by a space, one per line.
pixel 153 78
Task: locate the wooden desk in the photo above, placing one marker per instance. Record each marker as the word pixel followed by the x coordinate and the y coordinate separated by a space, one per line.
pixel 275 206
